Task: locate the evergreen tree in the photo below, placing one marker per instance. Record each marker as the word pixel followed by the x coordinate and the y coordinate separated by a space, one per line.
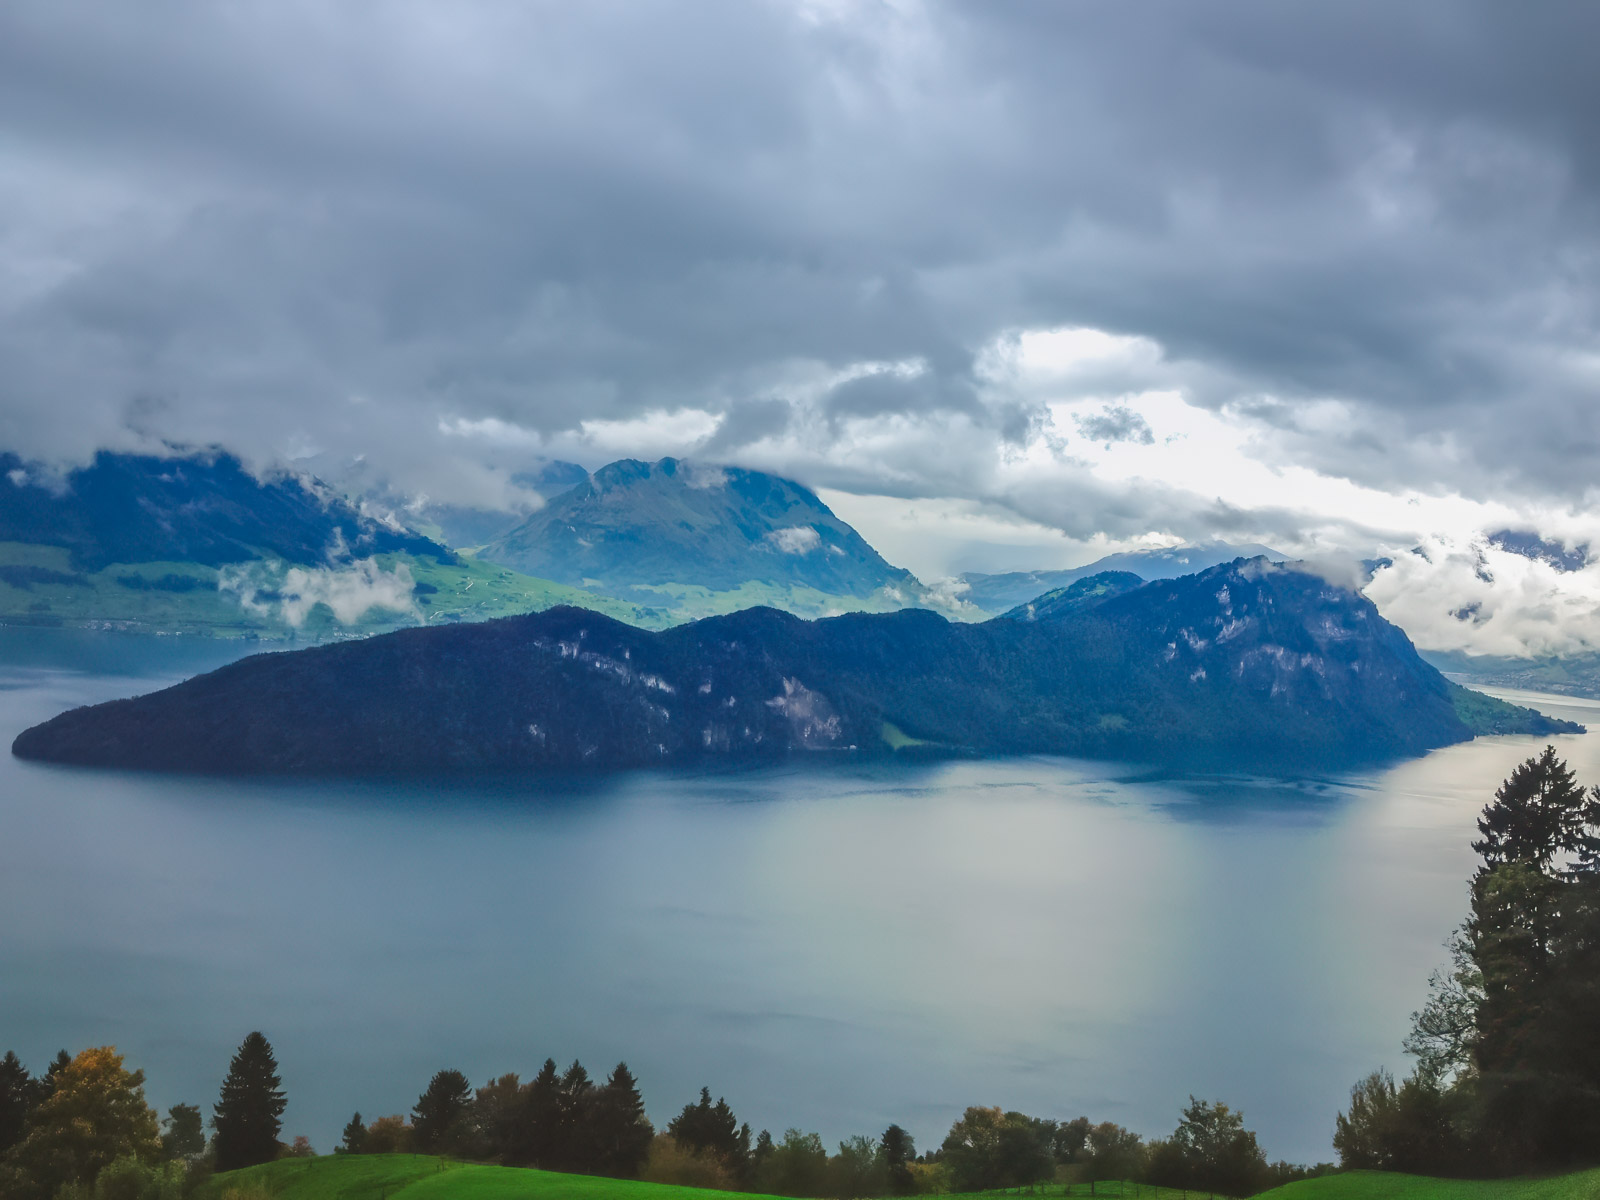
pixel 578 1147
pixel 46 1083
pixel 1536 815
pixel 712 1129
pixel 538 1141
pixel 439 1120
pixel 622 1132
pixel 17 1092
pixel 248 1116
pixel 761 1154
pixel 1534 1096
pixel 354 1139
pixel 184 1136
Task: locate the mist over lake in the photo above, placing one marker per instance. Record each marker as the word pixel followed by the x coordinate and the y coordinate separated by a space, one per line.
pixel 831 947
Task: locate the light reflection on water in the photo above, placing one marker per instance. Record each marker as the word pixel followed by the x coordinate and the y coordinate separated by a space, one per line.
pixel 833 948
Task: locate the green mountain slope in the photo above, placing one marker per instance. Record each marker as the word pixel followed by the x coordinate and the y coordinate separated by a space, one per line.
pixel 703 540
pixel 196 544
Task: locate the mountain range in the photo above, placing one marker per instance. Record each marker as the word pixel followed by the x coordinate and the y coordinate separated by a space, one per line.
pixel 1001 593
pixel 1247 663
pixel 194 542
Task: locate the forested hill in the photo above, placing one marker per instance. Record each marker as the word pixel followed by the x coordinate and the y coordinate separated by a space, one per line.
pixel 1247 663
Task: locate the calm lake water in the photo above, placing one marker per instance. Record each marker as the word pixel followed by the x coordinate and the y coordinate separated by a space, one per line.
pixel 832 948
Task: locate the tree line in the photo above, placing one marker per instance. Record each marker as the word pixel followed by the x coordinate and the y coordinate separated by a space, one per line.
pixel 83 1131
pixel 1507 1046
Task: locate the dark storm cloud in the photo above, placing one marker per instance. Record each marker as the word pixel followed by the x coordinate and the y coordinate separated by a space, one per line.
pixel 291 227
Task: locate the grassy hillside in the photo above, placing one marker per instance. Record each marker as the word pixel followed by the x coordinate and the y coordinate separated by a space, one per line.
pixel 39 585
pixel 422 1177
pixel 419 1177
pixel 1375 1185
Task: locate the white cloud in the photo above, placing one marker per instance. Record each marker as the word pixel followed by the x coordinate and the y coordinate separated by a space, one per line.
pixel 796 539
pixel 350 590
pixel 1469 595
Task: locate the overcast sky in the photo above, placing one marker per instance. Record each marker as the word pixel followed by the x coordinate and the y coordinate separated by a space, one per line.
pixel 1014 283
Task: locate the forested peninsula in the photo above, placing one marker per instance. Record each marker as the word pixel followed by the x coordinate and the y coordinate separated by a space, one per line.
pixel 1250 663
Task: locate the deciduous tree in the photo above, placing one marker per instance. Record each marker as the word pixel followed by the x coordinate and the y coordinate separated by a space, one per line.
pixel 388 1135
pixel 988 1148
pixel 95 1113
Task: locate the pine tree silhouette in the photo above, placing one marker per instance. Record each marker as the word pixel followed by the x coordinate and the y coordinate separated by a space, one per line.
pixel 248 1116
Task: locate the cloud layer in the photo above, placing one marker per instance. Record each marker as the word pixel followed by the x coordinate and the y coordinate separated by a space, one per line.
pixel 1321 277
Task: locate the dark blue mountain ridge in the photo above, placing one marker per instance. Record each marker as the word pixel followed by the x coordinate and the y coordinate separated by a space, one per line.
pixel 1083 593
pixel 1248 664
pixel 634 524
pixel 1003 592
pixel 199 507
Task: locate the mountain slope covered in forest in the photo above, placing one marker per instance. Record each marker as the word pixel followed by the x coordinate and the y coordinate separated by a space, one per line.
pixel 1247 663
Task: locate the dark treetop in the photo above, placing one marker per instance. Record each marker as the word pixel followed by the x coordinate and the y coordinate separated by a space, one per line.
pixel 1246 663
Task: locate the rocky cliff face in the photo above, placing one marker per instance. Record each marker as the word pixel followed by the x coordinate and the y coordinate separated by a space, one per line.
pixel 1247 664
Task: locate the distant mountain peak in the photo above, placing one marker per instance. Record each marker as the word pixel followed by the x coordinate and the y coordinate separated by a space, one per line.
pixel 1530 544
pixel 1003 592
pixel 202 506
pixel 633 526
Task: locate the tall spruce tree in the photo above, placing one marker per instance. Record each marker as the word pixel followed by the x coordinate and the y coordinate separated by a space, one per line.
pixel 248 1116
pixel 1508 1072
pixel 1535 1093
pixel 622 1132
pixel 1537 815
pixel 538 1139
pixel 439 1120
pixel 578 1147
pixel 46 1083
pixel 354 1138
pixel 17 1092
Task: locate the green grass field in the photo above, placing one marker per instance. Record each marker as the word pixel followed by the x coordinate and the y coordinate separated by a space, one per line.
pixel 420 1177
pixel 1376 1185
